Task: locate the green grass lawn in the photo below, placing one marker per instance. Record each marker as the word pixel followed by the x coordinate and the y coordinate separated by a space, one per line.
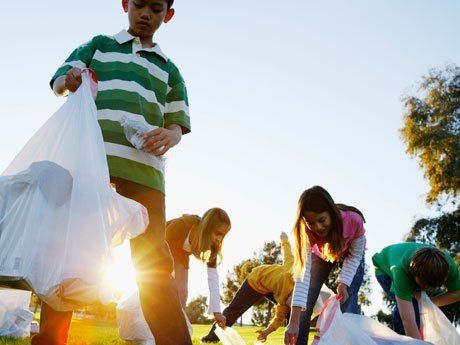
pixel 87 332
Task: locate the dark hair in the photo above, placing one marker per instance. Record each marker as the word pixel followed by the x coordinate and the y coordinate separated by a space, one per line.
pixel 170 3
pixel 430 266
pixel 316 199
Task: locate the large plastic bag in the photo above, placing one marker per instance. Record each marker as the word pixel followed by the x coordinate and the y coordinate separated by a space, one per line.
pixel 229 336
pixel 132 326
pixel 323 296
pixel 131 322
pixel 59 217
pixel 335 328
pixel 15 316
pixel 436 327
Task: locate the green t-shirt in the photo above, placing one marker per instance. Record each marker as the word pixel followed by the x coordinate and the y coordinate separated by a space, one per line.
pixel 394 261
pixel 138 83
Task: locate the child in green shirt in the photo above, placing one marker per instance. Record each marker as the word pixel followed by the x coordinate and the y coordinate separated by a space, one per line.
pixel 405 269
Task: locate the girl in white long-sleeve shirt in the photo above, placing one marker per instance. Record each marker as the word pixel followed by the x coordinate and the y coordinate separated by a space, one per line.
pixel 201 237
pixel 326 234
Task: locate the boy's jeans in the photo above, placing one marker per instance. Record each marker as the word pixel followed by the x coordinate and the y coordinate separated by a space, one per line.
pixel 154 265
pixel 385 282
pixel 320 270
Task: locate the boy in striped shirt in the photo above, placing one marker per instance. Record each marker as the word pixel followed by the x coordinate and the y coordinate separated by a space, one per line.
pixel 137 82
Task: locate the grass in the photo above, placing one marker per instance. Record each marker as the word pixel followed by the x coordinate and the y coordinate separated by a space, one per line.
pixel 90 332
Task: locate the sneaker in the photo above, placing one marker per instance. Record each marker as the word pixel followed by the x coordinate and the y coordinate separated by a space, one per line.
pixel 210 339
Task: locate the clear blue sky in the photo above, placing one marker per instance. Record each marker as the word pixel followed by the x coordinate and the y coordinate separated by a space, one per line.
pixel 283 95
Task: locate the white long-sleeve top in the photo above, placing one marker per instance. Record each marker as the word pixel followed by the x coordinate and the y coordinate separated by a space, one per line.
pixel 213 283
pixel 350 265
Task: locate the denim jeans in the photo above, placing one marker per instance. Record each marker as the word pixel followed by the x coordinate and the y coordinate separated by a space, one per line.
pixel 320 271
pixel 244 299
pixel 385 282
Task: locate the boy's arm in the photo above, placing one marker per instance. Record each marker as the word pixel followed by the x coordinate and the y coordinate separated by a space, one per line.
pixel 177 107
pixel 80 58
pixel 447 298
pixel 406 310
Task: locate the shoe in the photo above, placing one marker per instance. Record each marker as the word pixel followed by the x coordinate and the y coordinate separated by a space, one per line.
pixel 210 339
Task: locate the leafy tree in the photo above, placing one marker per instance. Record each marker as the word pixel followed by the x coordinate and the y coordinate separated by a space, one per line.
pixel 196 311
pixel 431 130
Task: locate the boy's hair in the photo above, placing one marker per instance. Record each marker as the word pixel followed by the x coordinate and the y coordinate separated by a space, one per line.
pixel 430 266
pixel 316 199
pixel 201 243
pixel 170 3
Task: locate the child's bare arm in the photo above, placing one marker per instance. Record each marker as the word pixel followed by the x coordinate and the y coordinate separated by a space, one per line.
pixel 446 298
pixel 406 309
pixel 71 81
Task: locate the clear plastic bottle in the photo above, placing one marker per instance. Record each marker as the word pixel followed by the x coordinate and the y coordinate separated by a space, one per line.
pixel 134 131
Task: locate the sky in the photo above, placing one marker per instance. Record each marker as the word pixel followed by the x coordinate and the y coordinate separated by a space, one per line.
pixel 283 96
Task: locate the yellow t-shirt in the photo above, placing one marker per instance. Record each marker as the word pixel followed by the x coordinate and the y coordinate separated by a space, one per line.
pixel 276 279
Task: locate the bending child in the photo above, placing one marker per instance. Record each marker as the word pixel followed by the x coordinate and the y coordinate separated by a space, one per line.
pixel 273 282
pixel 326 234
pixel 404 270
pixel 201 237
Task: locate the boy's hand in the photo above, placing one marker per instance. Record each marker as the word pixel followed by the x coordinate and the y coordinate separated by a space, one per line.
pixel 73 79
pixel 283 237
pixel 160 140
pixel 220 320
pixel 342 289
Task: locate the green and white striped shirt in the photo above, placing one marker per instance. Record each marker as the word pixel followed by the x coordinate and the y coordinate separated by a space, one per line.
pixel 139 83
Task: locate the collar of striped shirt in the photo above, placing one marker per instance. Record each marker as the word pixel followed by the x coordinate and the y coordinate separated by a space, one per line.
pixel 124 36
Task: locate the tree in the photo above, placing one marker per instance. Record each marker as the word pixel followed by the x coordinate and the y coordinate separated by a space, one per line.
pixel 442 230
pixel 196 311
pixel 431 130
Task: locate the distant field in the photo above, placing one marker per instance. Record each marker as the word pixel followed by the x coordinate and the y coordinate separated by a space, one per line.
pixel 89 332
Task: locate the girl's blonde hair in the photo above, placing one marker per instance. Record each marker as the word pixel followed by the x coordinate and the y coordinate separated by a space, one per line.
pixel 201 244
pixel 318 200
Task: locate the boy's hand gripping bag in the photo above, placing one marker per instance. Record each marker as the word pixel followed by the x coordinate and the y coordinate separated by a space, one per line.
pixel 335 328
pixel 436 327
pixel 59 217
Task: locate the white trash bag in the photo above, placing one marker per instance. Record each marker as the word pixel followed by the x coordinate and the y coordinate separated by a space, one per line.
pixel 323 296
pixel 15 316
pixel 335 328
pixel 132 326
pixel 229 336
pixel 436 327
pixel 59 217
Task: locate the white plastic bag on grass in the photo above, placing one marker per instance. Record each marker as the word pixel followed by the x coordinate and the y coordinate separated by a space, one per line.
pixel 335 328
pixel 229 336
pixel 15 316
pixel 436 327
pixel 132 326
pixel 59 217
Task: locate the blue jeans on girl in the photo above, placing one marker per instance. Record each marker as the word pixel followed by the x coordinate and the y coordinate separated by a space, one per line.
pixel 320 270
